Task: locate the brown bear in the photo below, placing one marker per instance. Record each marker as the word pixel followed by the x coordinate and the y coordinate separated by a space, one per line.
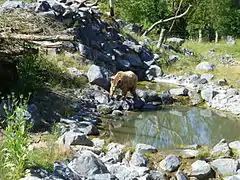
pixel 126 81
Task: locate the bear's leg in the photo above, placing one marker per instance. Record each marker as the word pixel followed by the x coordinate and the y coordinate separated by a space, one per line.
pixel 124 94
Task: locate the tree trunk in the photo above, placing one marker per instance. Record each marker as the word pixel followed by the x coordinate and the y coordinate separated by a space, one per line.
pixel 216 36
pixel 199 35
pixel 161 37
pixel 111 4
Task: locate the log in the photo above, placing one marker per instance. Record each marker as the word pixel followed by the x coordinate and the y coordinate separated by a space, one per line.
pixel 27 37
pixel 165 20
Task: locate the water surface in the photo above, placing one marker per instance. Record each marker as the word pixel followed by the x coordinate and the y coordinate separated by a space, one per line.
pixel 171 127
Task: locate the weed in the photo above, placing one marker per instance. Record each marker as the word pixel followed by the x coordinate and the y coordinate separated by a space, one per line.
pixel 16 137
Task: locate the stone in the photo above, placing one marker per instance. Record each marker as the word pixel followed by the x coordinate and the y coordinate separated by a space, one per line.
pixel 179 91
pixel 235 145
pixel 98 142
pixel 106 176
pixel 192 146
pixel 157 175
pixel 170 163
pixel 201 170
pixel 221 149
pixel 144 148
pixel 147 57
pixel 13 4
pixel 114 154
pixel 195 98
pixel 104 108
pixel 148 95
pixel 178 41
pixel 222 82
pixel 173 58
pixel 30 178
pixel 208 94
pixel 231 40
pixel 87 164
pixel 74 138
pixel 43 6
pixel 225 166
pixel 205 66
pixel 57 7
pixel 153 71
pixel 234 177
pixel 117 113
pixel 208 77
pixel 181 176
pixel 138 159
pixel 166 98
pixel 99 76
pixel 87 128
pixel 189 153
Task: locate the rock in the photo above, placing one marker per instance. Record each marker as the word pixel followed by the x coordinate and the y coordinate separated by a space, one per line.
pixel 234 177
pixel 153 71
pixel 175 40
pixel 221 149
pixel 148 95
pixel 170 163
pixel 195 98
pixel 181 176
pixel 138 159
pixel 43 6
pixel 201 170
pixel 99 76
pixel 156 175
pixel 206 66
pixel 114 153
pixel 222 82
pixel 30 178
pixel 87 128
pixel 208 94
pixel 57 7
pixel 189 153
pixel 208 77
pixel 75 138
pixel 104 108
pixel 117 113
pixel 166 98
pixel 179 91
pixel 231 40
pixel 13 4
pixel 87 164
pixel 106 176
pixel 61 170
pixel 147 57
pixel 193 146
pixel 144 148
pixel 235 145
pixel 98 142
pixel 225 166
pixel 173 58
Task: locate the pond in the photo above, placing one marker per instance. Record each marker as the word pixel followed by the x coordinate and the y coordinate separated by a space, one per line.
pixel 172 127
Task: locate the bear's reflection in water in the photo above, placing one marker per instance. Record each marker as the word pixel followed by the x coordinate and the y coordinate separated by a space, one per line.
pixel 171 127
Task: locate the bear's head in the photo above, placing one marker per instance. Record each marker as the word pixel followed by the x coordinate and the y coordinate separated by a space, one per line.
pixel 115 83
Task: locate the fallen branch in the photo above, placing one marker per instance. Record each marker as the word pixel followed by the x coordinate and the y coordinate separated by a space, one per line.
pixel 36 37
pixel 47 44
pixel 165 20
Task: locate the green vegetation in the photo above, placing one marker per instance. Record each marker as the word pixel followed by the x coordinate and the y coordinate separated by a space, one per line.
pixel 16 139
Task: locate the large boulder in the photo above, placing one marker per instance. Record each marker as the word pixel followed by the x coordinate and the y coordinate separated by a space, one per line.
pixel 153 71
pixel 170 163
pixel 226 166
pixel 201 170
pixel 75 138
pixel 87 164
pixel 99 76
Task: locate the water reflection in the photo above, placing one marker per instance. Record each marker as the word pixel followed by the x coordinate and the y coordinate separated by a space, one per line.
pixel 174 126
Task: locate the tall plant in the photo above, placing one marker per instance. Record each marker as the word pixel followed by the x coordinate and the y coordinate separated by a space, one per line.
pixel 16 136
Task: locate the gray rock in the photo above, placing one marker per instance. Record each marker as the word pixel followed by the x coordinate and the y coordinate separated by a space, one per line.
pixel 179 91
pixel 144 148
pixel 231 40
pixel 30 178
pixel 138 159
pixel 98 142
pixel 87 128
pixel 189 153
pixel 234 177
pixel 148 95
pixel 156 175
pixel 235 145
pixel 222 82
pixel 208 94
pixel 195 98
pixel 226 166
pixel 57 7
pixel 221 149
pixel 208 77
pixel 75 138
pixel 170 163
pixel 104 108
pixel 99 76
pixel 87 164
pixel 134 59
pixel 13 4
pixel 43 6
pixel 114 153
pixel 173 59
pixel 201 170
pixel 153 71
pixel 178 41
pixel 117 113
pixel 106 176
pixel 206 66
pixel 181 176
pixel 193 146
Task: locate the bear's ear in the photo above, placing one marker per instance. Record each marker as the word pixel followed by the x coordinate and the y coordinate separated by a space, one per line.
pixel 119 81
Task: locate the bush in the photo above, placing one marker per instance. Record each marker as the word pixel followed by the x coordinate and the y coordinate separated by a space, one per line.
pixel 16 137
